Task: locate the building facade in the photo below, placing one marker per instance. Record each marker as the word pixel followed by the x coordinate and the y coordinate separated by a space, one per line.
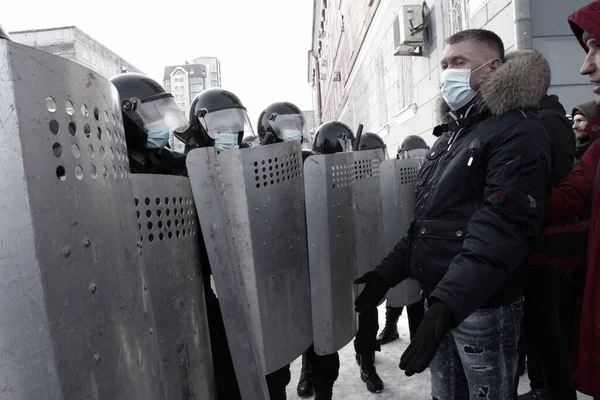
pixel 213 70
pixel 357 78
pixel 185 82
pixel 73 44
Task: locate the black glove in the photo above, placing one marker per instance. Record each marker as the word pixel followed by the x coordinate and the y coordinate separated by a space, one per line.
pixel 376 287
pixel 436 324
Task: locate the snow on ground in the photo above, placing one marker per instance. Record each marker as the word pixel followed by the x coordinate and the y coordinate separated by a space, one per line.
pixel 398 386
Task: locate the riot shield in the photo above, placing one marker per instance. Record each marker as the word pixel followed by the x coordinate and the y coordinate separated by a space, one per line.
pixel 75 322
pixel 259 195
pixel 398 183
pixel 169 252
pixel 329 182
pixel 368 219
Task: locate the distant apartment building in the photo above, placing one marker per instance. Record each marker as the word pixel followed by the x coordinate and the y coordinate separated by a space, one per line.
pixel 310 120
pixel 213 70
pixel 185 82
pixel 73 44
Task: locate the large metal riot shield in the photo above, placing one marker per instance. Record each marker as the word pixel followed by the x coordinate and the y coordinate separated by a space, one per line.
pixel 168 233
pixel 259 195
pixel 368 218
pixel 398 183
pixel 329 182
pixel 75 322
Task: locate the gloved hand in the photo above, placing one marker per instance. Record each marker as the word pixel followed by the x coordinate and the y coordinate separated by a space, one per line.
pixel 376 287
pixel 436 324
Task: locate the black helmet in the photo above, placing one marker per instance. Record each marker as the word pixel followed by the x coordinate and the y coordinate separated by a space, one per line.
pixel 370 141
pixel 150 113
pixel 217 118
pixel 306 153
pixel 413 142
pixel 281 122
pixel 4 34
pixel 333 137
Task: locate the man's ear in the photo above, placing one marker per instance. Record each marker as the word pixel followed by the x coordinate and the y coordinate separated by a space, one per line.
pixel 494 65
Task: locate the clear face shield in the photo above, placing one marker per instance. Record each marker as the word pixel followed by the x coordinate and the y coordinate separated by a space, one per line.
pixel 227 127
pixel 288 127
pixel 158 116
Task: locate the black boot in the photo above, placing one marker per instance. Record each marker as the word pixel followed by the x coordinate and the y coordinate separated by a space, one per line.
pixel 305 384
pixel 323 391
pixel 390 331
pixel 368 373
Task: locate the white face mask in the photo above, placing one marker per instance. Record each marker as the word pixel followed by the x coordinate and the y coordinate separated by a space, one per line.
pixel 456 86
pixel 158 135
pixel 227 141
pixel 288 135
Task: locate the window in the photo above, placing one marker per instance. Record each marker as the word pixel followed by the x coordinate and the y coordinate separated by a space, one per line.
pixel 196 80
pixel 86 54
pixel 214 76
pixel 196 88
pixel 215 84
pixel 457 16
pixel 381 92
pixel 94 59
pixel 405 81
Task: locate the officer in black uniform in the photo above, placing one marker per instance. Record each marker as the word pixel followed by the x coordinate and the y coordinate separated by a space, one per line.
pixel 150 116
pixel 218 118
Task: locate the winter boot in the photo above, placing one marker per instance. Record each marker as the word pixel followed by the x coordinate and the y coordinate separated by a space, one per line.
pixel 535 394
pixel 390 331
pixel 368 373
pixel 305 384
pixel 323 391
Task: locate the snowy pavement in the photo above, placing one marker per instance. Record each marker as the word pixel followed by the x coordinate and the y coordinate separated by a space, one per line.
pixel 398 386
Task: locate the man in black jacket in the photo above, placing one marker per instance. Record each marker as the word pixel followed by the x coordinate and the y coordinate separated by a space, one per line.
pixel 550 293
pixel 479 209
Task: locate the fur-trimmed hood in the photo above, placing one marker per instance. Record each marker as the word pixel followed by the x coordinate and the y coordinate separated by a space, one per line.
pixel 520 83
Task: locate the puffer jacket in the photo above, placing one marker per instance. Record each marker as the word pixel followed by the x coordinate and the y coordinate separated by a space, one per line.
pixel 480 195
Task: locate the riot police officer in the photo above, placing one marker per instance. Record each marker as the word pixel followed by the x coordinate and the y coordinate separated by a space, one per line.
pixel 412 146
pixel 218 118
pixel 150 116
pixel 365 343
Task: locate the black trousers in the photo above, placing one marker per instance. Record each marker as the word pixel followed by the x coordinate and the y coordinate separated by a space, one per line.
pixel 323 369
pixel 366 336
pixel 225 379
pixel 549 322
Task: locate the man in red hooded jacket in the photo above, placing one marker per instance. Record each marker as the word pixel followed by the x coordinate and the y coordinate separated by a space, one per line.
pixel 570 199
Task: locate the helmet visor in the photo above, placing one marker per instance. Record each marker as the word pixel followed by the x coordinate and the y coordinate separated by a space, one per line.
pixel 288 127
pixel 227 121
pixel 162 111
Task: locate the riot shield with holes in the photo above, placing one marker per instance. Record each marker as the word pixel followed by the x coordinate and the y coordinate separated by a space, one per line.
pixel 75 320
pixel 170 257
pixel 329 182
pixel 398 184
pixel 254 200
pixel 368 219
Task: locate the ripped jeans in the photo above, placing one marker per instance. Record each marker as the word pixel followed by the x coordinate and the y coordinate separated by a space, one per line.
pixel 478 359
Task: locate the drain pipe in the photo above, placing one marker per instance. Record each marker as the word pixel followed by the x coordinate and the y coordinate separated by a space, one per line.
pixel 523 33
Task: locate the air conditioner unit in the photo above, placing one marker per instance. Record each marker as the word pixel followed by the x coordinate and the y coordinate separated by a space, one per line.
pixel 337 76
pixel 410 31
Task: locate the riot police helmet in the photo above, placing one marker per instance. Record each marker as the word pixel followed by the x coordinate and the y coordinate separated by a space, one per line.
pixel 281 122
pixel 372 141
pixel 217 118
pixel 150 113
pixel 413 146
pixel 3 33
pixel 333 137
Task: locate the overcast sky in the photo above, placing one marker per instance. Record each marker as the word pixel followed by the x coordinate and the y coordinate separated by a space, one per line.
pixel 262 44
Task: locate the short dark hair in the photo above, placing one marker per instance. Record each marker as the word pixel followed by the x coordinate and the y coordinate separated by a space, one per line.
pixel 484 36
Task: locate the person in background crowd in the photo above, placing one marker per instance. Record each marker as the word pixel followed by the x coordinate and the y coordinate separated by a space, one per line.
pixel 572 196
pixel 582 115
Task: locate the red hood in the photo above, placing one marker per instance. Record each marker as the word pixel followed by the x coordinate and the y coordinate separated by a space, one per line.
pixel 587 19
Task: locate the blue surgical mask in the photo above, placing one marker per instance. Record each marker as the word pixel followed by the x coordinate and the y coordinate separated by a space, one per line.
pixel 288 135
pixel 227 141
pixel 456 86
pixel 158 135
